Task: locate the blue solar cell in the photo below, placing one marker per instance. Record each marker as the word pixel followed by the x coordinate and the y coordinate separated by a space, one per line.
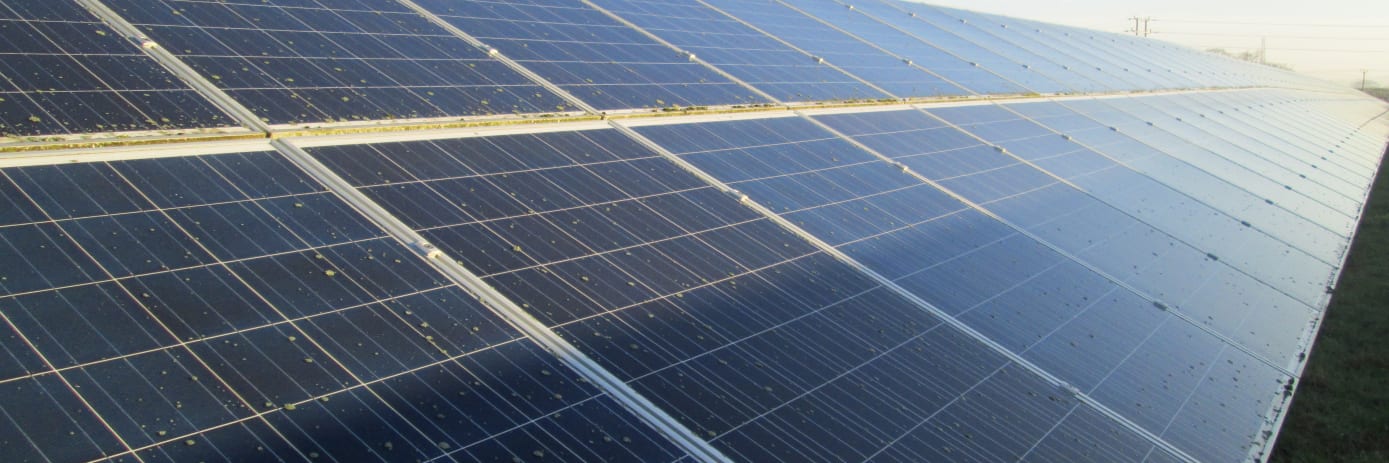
pixel 786 74
pixel 1087 61
pixel 853 55
pixel 1295 271
pixel 919 52
pixel 302 62
pixel 1227 163
pixel 966 42
pixel 228 307
pixel 594 57
pixel 1122 246
pixel 64 72
pixel 1033 301
pixel 748 335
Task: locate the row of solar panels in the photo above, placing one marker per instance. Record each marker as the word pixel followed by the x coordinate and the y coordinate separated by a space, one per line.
pixel 1124 279
pixel 87 66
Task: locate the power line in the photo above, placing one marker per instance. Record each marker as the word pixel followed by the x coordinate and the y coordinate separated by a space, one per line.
pixel 1297 37
pixel 1246 23
pixel 1320 50
pixel 1141 26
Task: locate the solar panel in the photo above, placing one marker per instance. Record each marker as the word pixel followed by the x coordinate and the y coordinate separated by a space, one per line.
pixel 912 50
pixel 856 57
pixel 1105 237
pixel 1284 224
pixel 762 61
pixel 1220 158
pixel 1030 299
pixel 765 346
pixel 593 56
pixel 314 62
pixel 275 230
pixel 904 17
pixel 227 307
pixel 1290 269
pixel 1094 62
pixel 63 72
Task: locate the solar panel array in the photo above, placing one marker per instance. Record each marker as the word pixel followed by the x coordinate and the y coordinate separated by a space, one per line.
pixel 1069 273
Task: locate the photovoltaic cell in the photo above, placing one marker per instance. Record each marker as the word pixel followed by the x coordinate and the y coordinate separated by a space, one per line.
pixel 227 307
pixel 1089 60
pixel 64 72
pixel 1292 270
pixel 1233 123
pixel 1123 278
pixel 1075 80
pixel 1039 304
pixel 594 57
pixel 1258 176
pixel 910 48
pixel 751 337
pixel 1149 160
pixel 851 54
pixel 784 73
pixel 1269 322
pixel 981 54
pixel 1305 140
pixel 311 62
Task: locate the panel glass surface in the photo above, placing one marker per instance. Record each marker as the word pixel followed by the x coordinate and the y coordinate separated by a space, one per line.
pixel 836 48
pixel 1039 304
pixel 64 72
pixel 227 308
pixel 294 62
pixel 1299 124
pixel 594 57
pixel 903 46
pixel 1290 269
pixel 784 73
pixel 903 17
pixel 1076 80
pixel 1153 162
pixel 1225 162
pixel 1199 284
pixel 1231 123
pixel 755 340
pixel 1263 319
pixel 1090 56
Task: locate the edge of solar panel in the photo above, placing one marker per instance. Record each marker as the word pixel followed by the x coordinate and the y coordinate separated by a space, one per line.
pixel 208 82
pixel 1211 74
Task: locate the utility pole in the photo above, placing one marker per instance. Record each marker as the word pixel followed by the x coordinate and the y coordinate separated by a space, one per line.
pixel 1263 50
pixel 1363 73
pixel 1140 25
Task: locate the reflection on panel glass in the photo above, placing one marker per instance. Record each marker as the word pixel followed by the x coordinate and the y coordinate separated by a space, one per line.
pixel 594 57
pixel 1292 270
pixel 341 61
pixel 1037 303
pixel 1201 284
pixel 227 307
pixel 912 50
pixel 849 53
pixel 750 336
pixel 64 72
pixel 771 66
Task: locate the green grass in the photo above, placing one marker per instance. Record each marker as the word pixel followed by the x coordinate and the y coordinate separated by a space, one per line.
pixel 1341 410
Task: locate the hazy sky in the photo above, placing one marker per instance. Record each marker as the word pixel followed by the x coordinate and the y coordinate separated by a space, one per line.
pixel 1331 39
